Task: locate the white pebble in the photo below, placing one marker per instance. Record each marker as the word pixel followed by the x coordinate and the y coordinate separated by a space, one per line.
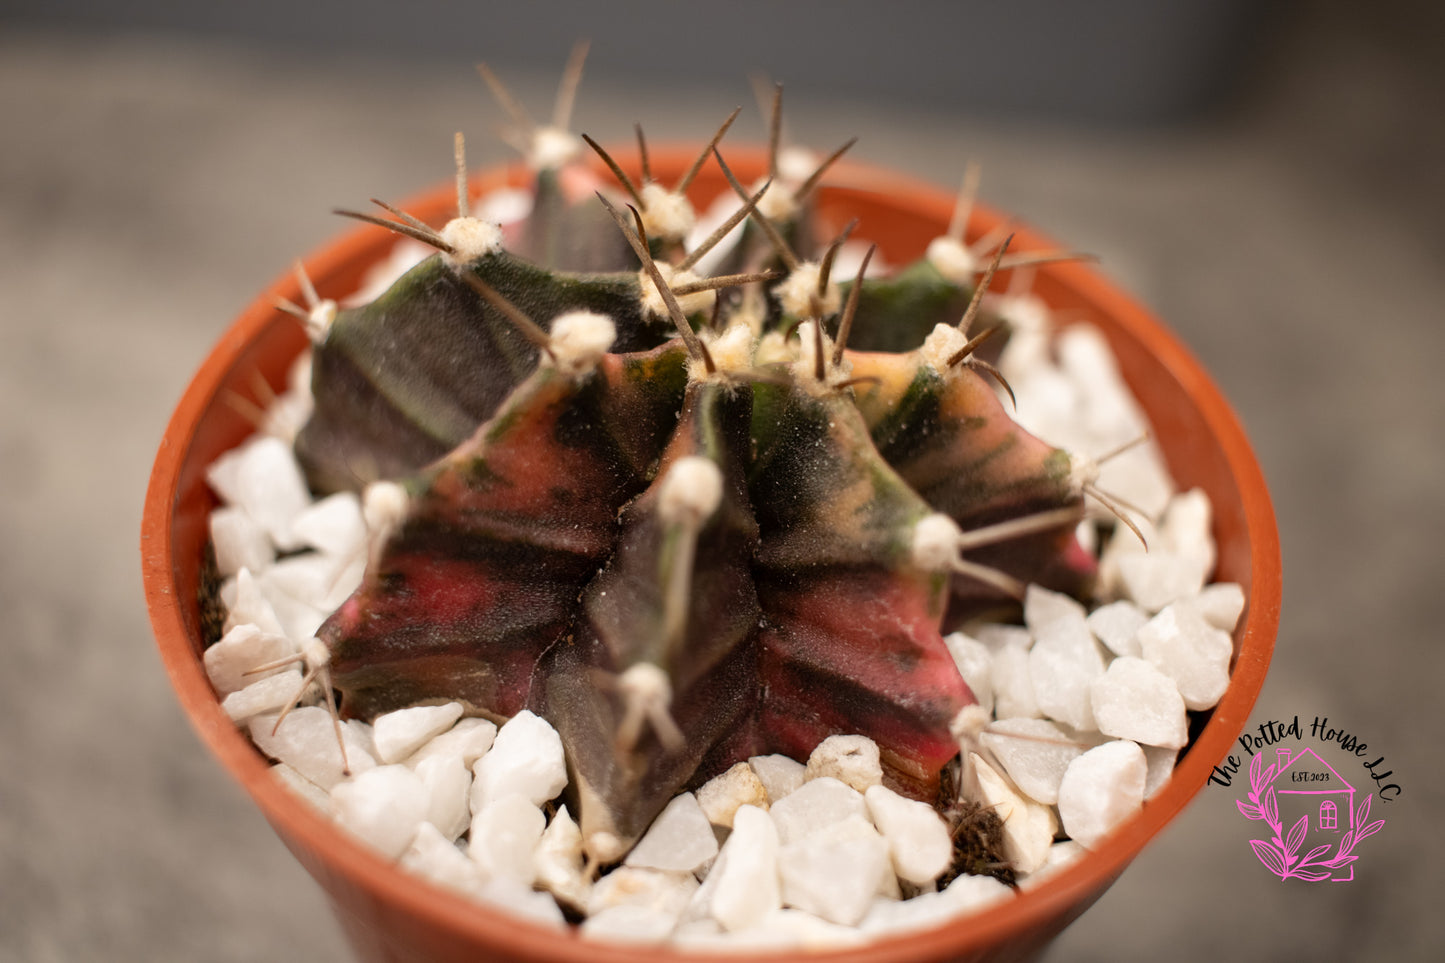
pixel 332 525
pixel 744 883
pixel 231 661
pixel 468 741
pixel 1103 788
pixel 520 899
pixel 1117 625
pixel 1013 684
pixel 504 835
pixel 817 804
pixel 303 787
pixel 1061 854
pixel 246 604
pixel 975 664
pixel 1160 577
pixel 1191 652
pixel 793 928
pixel 1034 753
pixel 1160 761
pixel 239 542
pixel 559 861
pixel 399 734
pixel 526 759
pixel 668 893
pixel 384 806
pixel 1134 700
pixel 306 741
pixel 778 774
pixel 270 488
pixel 448 784
pixel 680 839
pixel 1186 527
pixel 835 872
pixel 310 578
pixel 1063 663
pixel 722 796
pixel 435 858
pixel 918 838
pixel 963 895
pixel 1045 609
pixel 629 924
pixel 271 694
pixel 1028 826
pixel 852 760
pixel 1220 604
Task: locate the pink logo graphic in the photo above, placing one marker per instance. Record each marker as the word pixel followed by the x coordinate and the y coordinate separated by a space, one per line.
pixel 1329 821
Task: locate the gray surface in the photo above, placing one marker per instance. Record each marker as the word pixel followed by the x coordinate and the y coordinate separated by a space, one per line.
pixel 148 188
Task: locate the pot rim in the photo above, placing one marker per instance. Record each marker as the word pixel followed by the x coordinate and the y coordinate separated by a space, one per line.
pixel 329 852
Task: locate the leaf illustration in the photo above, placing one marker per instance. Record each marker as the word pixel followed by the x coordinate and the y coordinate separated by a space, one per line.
pixel 1256 773
pixel 1269 856
pixel 1249 811
pixel 1362 812
pixel 1311 875
pixel 1314 854
pixel 1339 861
pixel 1271 808
pixel 1369 830
pixel 1296 836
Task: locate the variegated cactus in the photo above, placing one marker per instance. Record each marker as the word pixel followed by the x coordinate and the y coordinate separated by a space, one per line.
pixel 686 519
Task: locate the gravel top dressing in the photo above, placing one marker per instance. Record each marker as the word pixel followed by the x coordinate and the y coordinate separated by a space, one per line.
pixel 1080 714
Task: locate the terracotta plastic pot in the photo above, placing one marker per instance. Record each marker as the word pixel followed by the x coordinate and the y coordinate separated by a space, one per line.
pixel 389 916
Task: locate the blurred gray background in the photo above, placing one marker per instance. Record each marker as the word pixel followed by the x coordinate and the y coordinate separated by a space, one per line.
pixel 1269 178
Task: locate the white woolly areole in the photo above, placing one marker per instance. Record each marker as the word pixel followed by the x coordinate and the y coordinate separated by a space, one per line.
pixel 666 214
pixel 1083 470
pixel 796 164
pixel 730 351
pixel 969 724
pixel 942 343
pixel 798 291
pixel 778 204
pixel 553 147
pixel 316 654
pixel 773 348
pixel 691 491
pixel 805 369
pixel 580 339
pixel 319 320
pixel 383 506
pixel 935 543
pixel 469 239
pixel 647 684
pixel 654 308
pixel 951 258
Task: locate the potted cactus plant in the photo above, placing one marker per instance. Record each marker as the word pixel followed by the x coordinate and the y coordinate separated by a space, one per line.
pixel 686 516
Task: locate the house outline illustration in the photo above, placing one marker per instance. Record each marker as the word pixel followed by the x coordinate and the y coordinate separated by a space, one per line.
pixel 1322 796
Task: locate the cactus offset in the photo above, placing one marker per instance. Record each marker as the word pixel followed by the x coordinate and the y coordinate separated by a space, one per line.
pixel 679 517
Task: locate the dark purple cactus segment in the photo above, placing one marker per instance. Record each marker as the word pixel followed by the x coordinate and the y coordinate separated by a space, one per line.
pixel 851 641
pixel 676 602
pixel 484 572
pixel 405 379
pixel 952 441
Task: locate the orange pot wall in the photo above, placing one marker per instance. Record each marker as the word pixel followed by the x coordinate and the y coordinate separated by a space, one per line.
pixel 391 917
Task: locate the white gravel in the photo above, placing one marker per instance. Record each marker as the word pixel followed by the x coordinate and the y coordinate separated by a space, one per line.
pixel 1088 713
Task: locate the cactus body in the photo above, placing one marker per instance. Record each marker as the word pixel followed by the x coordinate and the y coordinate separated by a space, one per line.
pixel 724 536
